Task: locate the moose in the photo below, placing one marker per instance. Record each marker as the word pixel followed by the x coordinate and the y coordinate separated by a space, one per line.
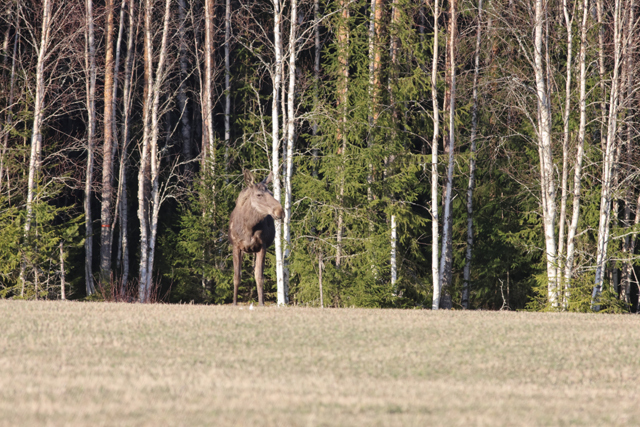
pixel 252 230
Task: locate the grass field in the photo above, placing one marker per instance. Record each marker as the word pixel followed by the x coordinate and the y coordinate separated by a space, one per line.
pixel 100 364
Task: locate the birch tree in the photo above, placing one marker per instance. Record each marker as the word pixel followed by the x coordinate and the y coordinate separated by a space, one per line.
pixel 35 157
pixel 290 137
pixel 107 148
pixel 604 226
pixel 545 150
pixel 472 164
pixel 150 156
pixel 90 72
pixel 276 78
pixel 435 237
pixel 577 174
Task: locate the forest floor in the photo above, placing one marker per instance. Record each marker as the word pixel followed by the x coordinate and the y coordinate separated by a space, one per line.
pixel 95 364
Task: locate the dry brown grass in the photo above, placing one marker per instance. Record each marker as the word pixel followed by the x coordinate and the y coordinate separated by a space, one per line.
pixel 94 364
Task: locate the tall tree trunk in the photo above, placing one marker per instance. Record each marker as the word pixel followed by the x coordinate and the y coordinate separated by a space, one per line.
pixel 63 293
pixel 343 98
pixel 182 98
pixel 577 178
pixel 275 136
pixel 8 116
pixel 227 83
pixel 601 71
pixel 90 70
pixel 435 238
pixel 608 162
pixel 35 158
pixel 316 81
pixel 629 242
pixel 446 257
pixel 107 151
pixel 393 51
pixel 124 156
pixel 148 177
pixel 565 142
pixel 544 151
pixel 290 137
pixel 472 166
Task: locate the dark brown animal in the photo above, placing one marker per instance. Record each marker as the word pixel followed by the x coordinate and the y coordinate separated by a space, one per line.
pixel 252 230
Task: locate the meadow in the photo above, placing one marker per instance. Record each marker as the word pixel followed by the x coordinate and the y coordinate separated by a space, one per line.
pixel 105 364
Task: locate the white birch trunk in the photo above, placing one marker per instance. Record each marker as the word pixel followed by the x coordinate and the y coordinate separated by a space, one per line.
pixel 290 136
pixel 394 265
pixel 275 136
pixel 316 83
pixel 227 83
pixel 107 151
pixel 545 153
pixel 445 261
pixel 320 267
pixel 143 178
pixel 90 66
pixel 63 293
pixel 608 163
pixel 565 143
pixel 36 135
pixel 435 238
pixel 577 178
pixel 472 166
pixel 127 99
pixel 155 154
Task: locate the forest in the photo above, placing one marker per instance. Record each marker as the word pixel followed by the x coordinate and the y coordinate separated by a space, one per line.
pixel 456 154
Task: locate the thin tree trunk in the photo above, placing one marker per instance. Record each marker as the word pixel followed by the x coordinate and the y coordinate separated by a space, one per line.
pixel 107 155
pixel 155 155
pixel 545 153
pixel 601 70
pixel 293 51
pixel 320 266
pixel 472 166
pixel 447 245
pixel 124 159
pixel 393 51
pixel 608 164
pixel 8 117
pixel 227 84
pixel 209 50
pixel 343 98
pixel 275 136
pixel 143 173
pixel 629 243
pixel 182 93
pixel 565 141
pixel 577 179
pixel 316 82
pixel 90 66
pixel 63 294
pixel 36 132
pixel 435 238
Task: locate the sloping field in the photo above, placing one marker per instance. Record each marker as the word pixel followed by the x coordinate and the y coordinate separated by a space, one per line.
pixel 95 364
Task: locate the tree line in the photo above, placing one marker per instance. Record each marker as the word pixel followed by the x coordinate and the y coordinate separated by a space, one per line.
pixel 440 153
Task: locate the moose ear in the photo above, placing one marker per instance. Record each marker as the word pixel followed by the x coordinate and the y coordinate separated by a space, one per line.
pixel 268 178
pixel 248 177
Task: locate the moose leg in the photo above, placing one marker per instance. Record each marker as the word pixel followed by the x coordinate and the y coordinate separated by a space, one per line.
pixel 237 271
pixel 258 272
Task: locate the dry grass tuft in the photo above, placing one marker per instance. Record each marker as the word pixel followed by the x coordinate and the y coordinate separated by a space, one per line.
pixel 81 364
